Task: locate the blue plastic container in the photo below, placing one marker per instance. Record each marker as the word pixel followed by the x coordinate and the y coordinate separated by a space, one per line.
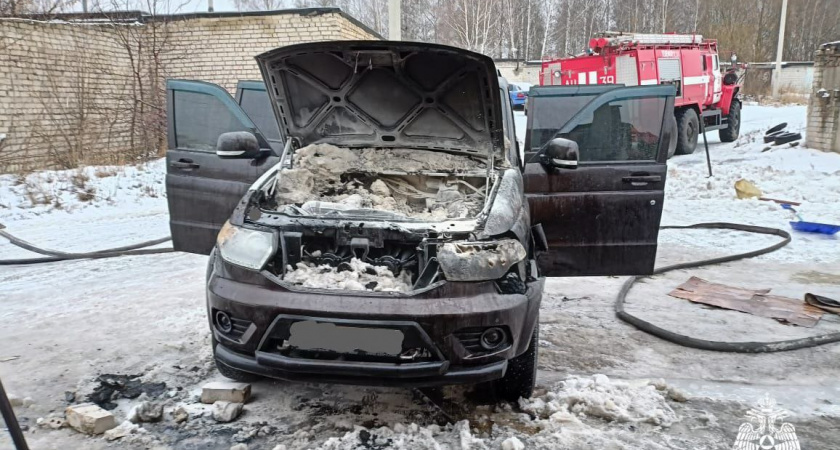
pixel 814 227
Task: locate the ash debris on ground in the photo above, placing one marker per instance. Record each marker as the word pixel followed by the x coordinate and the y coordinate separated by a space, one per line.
pixel 328 178
pixel 111 387
pixel 356 275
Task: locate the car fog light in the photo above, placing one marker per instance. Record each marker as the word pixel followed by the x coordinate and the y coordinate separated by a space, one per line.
pixel 492 338
pixel 223 321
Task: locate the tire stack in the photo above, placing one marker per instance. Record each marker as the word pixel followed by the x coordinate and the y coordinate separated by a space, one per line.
pixel 778 135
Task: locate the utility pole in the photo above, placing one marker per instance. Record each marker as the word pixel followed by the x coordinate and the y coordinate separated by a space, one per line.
pixel 209 5
pixel 84 6
pixel 394 23
pixel 777 72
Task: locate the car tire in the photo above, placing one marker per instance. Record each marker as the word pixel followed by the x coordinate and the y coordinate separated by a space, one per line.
pixel 786 137
pixel 688 130
pixel 776 128
pixel 521 374
pixel 672 146
pixel 768 138
pixel 232 373
pixel 733 129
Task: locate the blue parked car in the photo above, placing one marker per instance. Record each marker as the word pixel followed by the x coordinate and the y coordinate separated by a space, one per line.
pixel 518 94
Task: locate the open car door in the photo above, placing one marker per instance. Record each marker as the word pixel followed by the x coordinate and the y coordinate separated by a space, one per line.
pixel 602 216
pixel 202 187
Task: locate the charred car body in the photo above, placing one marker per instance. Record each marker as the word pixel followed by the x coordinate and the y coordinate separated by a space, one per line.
pixel 378 219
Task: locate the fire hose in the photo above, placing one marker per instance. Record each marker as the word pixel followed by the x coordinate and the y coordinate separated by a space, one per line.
pixel 55 255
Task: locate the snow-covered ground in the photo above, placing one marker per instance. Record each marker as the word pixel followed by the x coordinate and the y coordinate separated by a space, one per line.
pixel 68 322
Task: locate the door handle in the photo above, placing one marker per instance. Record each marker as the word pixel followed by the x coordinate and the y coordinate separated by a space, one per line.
pixel 184 163
pixel 643 179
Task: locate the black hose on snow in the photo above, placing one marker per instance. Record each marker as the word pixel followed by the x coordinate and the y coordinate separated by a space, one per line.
pixel 54 255
pixel 718 346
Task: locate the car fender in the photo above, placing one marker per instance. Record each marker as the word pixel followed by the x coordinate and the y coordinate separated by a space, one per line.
pixel 509 212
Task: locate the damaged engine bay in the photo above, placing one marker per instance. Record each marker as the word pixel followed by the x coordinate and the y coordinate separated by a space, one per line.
pixel 327 180
pixel 376 199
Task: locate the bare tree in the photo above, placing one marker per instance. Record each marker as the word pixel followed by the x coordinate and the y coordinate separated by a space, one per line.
pixel 11 8
pixel 259 5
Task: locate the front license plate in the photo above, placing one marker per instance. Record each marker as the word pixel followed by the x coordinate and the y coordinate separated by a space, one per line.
pixel 308 335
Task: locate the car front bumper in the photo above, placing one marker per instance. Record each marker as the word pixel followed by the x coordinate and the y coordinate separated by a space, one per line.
pixel 434 321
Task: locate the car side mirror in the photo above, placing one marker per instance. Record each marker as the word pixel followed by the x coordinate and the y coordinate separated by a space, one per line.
pixel 561 153
pixel 238 144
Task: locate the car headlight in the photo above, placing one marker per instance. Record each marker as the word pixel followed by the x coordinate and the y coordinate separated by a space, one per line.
pixel 250 249
pixel 476 261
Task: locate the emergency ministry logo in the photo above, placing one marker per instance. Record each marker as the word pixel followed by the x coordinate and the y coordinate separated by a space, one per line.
pixel 761 433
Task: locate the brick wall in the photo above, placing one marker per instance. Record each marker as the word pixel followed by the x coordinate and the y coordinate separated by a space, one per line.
pixel 60 87
pixel 222 50
pixel 68 90
pixel 823 130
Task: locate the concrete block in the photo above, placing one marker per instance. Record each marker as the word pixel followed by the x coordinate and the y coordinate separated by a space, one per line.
pixel 89 418
pixel 226 391
pixel 226 411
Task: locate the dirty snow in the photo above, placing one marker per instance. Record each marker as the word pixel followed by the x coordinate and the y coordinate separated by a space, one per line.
pixel 68 322
pixel 600 397
pixel 787 173
pixel 357 275
pixel 575 414
pixel 326 178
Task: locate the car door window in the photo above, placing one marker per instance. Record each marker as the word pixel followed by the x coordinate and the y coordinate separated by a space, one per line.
pixel 200 118
pixel 257 105
pixel 547 116
pixel 621 130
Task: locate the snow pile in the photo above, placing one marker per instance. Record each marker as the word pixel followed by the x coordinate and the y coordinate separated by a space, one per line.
pixel 603 398
pixel 356 275
pixel 578 414
pixel 139 187
pixel 341 179
pixel 796 174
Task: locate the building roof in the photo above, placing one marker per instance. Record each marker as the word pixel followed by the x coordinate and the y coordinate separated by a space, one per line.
pixel 142 16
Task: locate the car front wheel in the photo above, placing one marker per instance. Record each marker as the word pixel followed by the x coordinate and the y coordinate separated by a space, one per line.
pixel 521 375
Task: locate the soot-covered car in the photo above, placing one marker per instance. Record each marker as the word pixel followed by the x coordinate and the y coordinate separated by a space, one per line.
pixel 371 219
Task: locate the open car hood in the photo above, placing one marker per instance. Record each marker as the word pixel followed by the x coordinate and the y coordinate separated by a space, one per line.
pixel 385 94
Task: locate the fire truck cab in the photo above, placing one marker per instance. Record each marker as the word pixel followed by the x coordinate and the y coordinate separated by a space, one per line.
pixel 688 62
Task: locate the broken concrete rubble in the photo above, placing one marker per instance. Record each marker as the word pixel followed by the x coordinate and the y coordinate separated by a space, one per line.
pixel 121 431
pixel 226 411
pixel 15 401
pixel 226 391
pixel 89 418
pixel 145 412
pixel 180 415
pixel 52 422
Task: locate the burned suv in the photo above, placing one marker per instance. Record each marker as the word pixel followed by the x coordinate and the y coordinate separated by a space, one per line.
pixel 370 218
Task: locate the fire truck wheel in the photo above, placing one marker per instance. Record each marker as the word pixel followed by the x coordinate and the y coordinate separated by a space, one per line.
pixel 731 132
pixel 688 128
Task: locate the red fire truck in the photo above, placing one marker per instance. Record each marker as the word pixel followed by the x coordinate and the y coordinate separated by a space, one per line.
pixel 686 60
